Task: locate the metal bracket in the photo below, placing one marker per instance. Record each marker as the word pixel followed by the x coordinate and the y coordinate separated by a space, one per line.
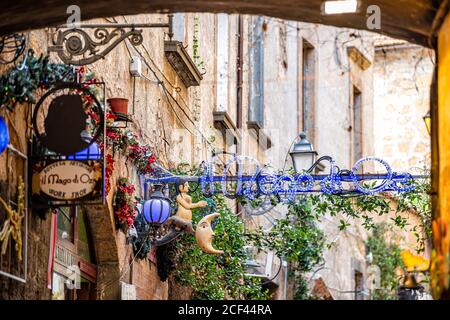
pixel 76 47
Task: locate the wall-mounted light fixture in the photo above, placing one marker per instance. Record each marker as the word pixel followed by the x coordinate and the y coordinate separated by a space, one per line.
pixel 427 120
pixel 157 209
pixel 340 6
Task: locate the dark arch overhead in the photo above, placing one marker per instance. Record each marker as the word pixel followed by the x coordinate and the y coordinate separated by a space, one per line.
pixel 411 20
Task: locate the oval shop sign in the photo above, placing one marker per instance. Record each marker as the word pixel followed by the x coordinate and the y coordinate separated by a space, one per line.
pixel 67 180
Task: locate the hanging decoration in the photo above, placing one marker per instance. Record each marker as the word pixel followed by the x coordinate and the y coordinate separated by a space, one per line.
pixel 11 47
pixel 286 186
pixel 182 221
pixel 4 135
pixel 204 234
pixel 12 226
pixel 19 85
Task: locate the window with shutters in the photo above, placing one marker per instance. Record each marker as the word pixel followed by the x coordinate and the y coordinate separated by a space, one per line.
pixel 256 110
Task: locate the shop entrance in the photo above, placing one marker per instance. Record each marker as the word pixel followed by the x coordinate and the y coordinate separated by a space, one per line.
pixel 74 274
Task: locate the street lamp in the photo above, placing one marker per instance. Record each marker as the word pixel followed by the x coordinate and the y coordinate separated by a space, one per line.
pixel 427 120
pixel 303 154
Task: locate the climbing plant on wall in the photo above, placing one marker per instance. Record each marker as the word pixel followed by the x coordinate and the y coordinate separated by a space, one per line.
pixel 214 276
pixel 297 239
pixel 419 202
pixel 386 256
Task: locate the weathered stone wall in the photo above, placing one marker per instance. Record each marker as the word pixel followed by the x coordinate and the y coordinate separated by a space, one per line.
pixel 402 78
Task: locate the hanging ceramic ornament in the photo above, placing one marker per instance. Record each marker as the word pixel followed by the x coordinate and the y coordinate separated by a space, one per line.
pixel 4 135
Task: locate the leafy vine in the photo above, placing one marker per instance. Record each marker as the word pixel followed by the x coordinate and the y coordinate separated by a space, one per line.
pixel 386 256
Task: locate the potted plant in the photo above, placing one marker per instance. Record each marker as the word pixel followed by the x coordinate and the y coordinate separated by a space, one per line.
pixel 119 105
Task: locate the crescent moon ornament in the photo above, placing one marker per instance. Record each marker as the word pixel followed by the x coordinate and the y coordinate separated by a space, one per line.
pixel 204 234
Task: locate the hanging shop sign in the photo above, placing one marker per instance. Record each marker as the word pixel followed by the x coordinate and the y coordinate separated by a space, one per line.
pixel 68 162
pixel 69 180
pixel 66 182
pixel 68 119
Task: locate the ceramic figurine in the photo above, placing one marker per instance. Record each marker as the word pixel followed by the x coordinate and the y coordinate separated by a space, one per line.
pixel 183 218
pixel 204 234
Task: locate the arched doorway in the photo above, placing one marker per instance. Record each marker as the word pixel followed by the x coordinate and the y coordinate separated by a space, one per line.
pixel 85 255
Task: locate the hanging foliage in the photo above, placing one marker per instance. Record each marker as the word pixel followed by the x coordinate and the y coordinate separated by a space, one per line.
pixel 127 142
pixel 387 257
pixel 109 169
pixel 20 83
pixel 215 276
pixel 165 260
pixel 124 203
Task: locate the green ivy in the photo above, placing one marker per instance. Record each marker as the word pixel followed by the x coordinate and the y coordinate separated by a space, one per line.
pixel 419 201
pixel 216 276
pixel 387 257
pixel 296 238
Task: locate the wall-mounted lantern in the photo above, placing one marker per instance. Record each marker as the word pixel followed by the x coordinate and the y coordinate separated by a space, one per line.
pixel 427 120
pixel 157 209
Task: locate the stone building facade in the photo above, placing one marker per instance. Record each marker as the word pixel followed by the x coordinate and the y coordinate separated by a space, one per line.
pixel 263 80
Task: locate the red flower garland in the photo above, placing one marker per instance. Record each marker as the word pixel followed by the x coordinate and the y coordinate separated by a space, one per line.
pixel 124 205
pixel 108 172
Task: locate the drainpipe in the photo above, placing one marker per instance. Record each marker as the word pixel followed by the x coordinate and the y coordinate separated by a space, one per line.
pixel 240 63
pixel 239 81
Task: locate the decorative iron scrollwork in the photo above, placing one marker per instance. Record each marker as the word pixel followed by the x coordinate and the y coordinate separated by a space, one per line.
pixel 77 47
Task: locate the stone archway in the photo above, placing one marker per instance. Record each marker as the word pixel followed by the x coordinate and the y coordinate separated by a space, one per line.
pixel 106 251
pixel 415 21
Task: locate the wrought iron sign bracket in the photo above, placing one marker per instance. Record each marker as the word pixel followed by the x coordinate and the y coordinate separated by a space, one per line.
pixel 76 47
